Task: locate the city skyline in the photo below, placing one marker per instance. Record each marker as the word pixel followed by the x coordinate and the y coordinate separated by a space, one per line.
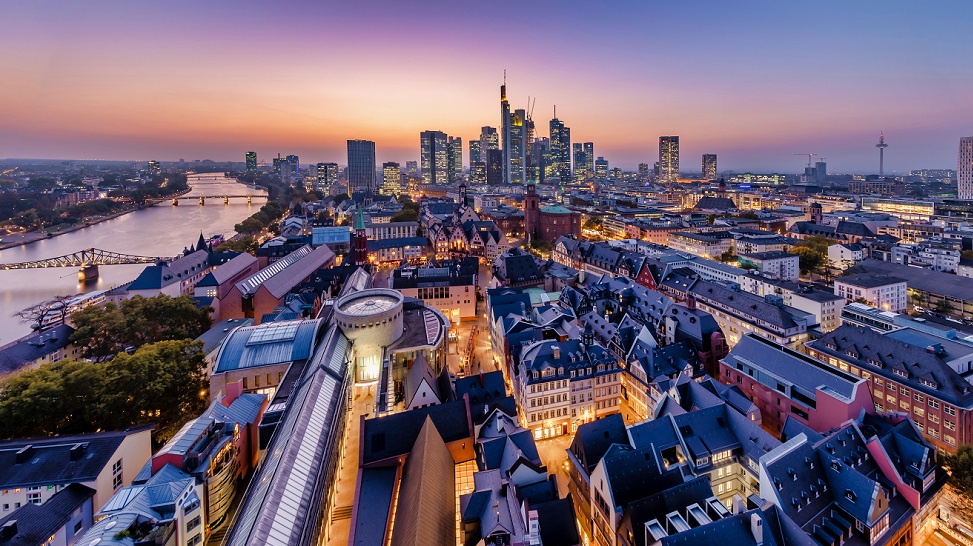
pixel 753 84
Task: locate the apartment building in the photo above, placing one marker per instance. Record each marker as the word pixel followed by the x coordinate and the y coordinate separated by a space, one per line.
pixel 885 292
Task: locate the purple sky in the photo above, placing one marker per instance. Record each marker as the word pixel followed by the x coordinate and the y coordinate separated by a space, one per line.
pixel 754 82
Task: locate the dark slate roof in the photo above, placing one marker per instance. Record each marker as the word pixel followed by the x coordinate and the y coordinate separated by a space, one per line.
pixel 557 521
pixel 769 255
pixel 32 347
pixel 780 363
pixel 214 337
pixel 716 203
pixel 920 369
pixel 744 302
pixel 398 242
pixel 592 440
pixel 49 462
pixel 634 473
pixel 658 505
pixel 38 522
pixel 854 228
pixel 394 435
pixel 870 280
pixel 375 504
pixel 482 388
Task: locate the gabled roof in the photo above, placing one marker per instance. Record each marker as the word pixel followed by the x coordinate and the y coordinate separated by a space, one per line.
pixel 38 522
pixel 393 435
pixel 419 372
pixel 37 345
pixel 592 440
pixel 426 509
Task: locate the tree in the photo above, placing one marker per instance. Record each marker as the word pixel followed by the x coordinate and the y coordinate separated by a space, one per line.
pixel 249 227
pixel 966 254
pixel 243 244
pixel 809 259
pixel 163 382
pixel 54 310
pixel 728 256
pixel 944 306
pixel 960 466
pixel 101 332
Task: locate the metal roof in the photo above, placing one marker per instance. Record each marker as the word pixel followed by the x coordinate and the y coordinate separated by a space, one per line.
pixel 267 344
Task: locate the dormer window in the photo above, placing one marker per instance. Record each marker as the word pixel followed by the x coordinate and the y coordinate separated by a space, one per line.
pixel 900 372
pixel 850 495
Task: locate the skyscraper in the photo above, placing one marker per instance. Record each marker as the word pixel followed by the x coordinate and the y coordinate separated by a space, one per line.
pixel 494 167
pixel 644 171
pixel 505 128
pixel 589 155
pixel 709 166
pixel 561 149
pixel 580 165
pixel 489 140
pixel 964 172
pixel 293 164
pixel 361 166
pixel 541 167
pixel 391 179
pixel 601 168
pixel 251 162
pixel 327 174
pixel 454 159
pixel 821 168
pixel 412 167
pixel 668 159
pixel 433 157
pixel 478 173
pixel 474 151
pixel 517 152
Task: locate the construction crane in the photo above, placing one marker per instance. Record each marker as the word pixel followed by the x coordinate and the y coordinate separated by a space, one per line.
pixel 808 158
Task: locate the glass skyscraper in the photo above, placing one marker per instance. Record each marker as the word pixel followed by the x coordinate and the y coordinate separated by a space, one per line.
pixel 668 159
pixel 561 149
pixel 391 179
pixel 454 159
pixel 709 166
pixel 251 162
pixel 434 157
pixel 361 166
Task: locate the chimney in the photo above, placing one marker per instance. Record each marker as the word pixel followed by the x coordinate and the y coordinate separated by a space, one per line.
pixel 9 530
pixel 557 352
pixel 233 391
pixel 24 454
pixel 757 528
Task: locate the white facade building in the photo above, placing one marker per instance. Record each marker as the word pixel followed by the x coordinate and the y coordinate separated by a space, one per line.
pixel 881 291
pixel 964 171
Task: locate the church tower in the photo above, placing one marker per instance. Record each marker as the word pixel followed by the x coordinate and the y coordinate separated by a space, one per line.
pixel 360 242
pixel 531 213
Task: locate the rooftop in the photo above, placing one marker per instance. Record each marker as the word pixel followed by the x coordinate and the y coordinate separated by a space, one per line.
pixel 267 344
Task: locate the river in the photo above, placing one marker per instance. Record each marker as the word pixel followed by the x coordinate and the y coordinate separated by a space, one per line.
pixel 162 230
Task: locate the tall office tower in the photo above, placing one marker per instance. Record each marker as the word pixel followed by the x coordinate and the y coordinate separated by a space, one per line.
pixel 540 169
pixel 327 174
pixel 561 149
pixel 821 168
pixel 391 179
pixel 655 170
pixel 433 157
pixel 361 166
pixel 494 167
pixel 454 159
pixel 478 173
pixel 505 128
pixel 709 166
pixel 601 168
pixel 881 154
pixel 411 167
pixel 580 165
pixel 669 159
pixel 589 155
pixel 644 171
pixel 529 160
pixel 154 167
pixel 517 156
pixel 278 161
pixel 489 140
pixel 475 151
pixel 293 164
pixel 964 172
pixel 251 162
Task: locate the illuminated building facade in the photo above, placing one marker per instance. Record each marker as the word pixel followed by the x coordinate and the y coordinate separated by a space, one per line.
pixel 964 172
pixel 251 162
pixel 561 149
pixel 391 179
pixel 454 159
pixel 361 166
pixel 434 157
pixel 709 166
pixel 601 168
pixel 669 159
pixel 475 152
pixel 327 174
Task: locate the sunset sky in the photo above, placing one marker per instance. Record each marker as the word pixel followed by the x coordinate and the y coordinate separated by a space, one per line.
pixel 753 81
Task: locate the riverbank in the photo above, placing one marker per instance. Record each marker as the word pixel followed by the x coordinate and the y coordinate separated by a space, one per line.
pixel 19 239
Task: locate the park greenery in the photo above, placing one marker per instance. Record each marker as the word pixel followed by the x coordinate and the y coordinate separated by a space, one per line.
pixel 812 254
pixel 102 332
pixel 960 466
pixel 163 382
pixel 409 212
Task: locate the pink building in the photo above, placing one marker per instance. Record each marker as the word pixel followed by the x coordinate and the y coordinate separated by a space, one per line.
pixel 785 384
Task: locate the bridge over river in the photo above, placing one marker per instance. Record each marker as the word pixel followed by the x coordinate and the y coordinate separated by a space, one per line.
pixel 87 260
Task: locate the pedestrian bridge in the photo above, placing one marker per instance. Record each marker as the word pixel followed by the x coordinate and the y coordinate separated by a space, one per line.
pixel 214 197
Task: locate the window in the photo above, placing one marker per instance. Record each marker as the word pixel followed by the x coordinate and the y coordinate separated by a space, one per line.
pixel 116 472
pixel 34 497
pixel 949 440
pixel 192 524
pixel 949 424
pixel 918 398
pixel 949 410
pixel 195 540
pixel 918 411
pixel 934 404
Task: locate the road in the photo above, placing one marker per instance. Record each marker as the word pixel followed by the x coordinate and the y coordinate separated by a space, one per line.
pixel 554 455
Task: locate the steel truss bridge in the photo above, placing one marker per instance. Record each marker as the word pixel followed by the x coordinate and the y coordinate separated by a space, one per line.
pixel 87 260
pixel 214 197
